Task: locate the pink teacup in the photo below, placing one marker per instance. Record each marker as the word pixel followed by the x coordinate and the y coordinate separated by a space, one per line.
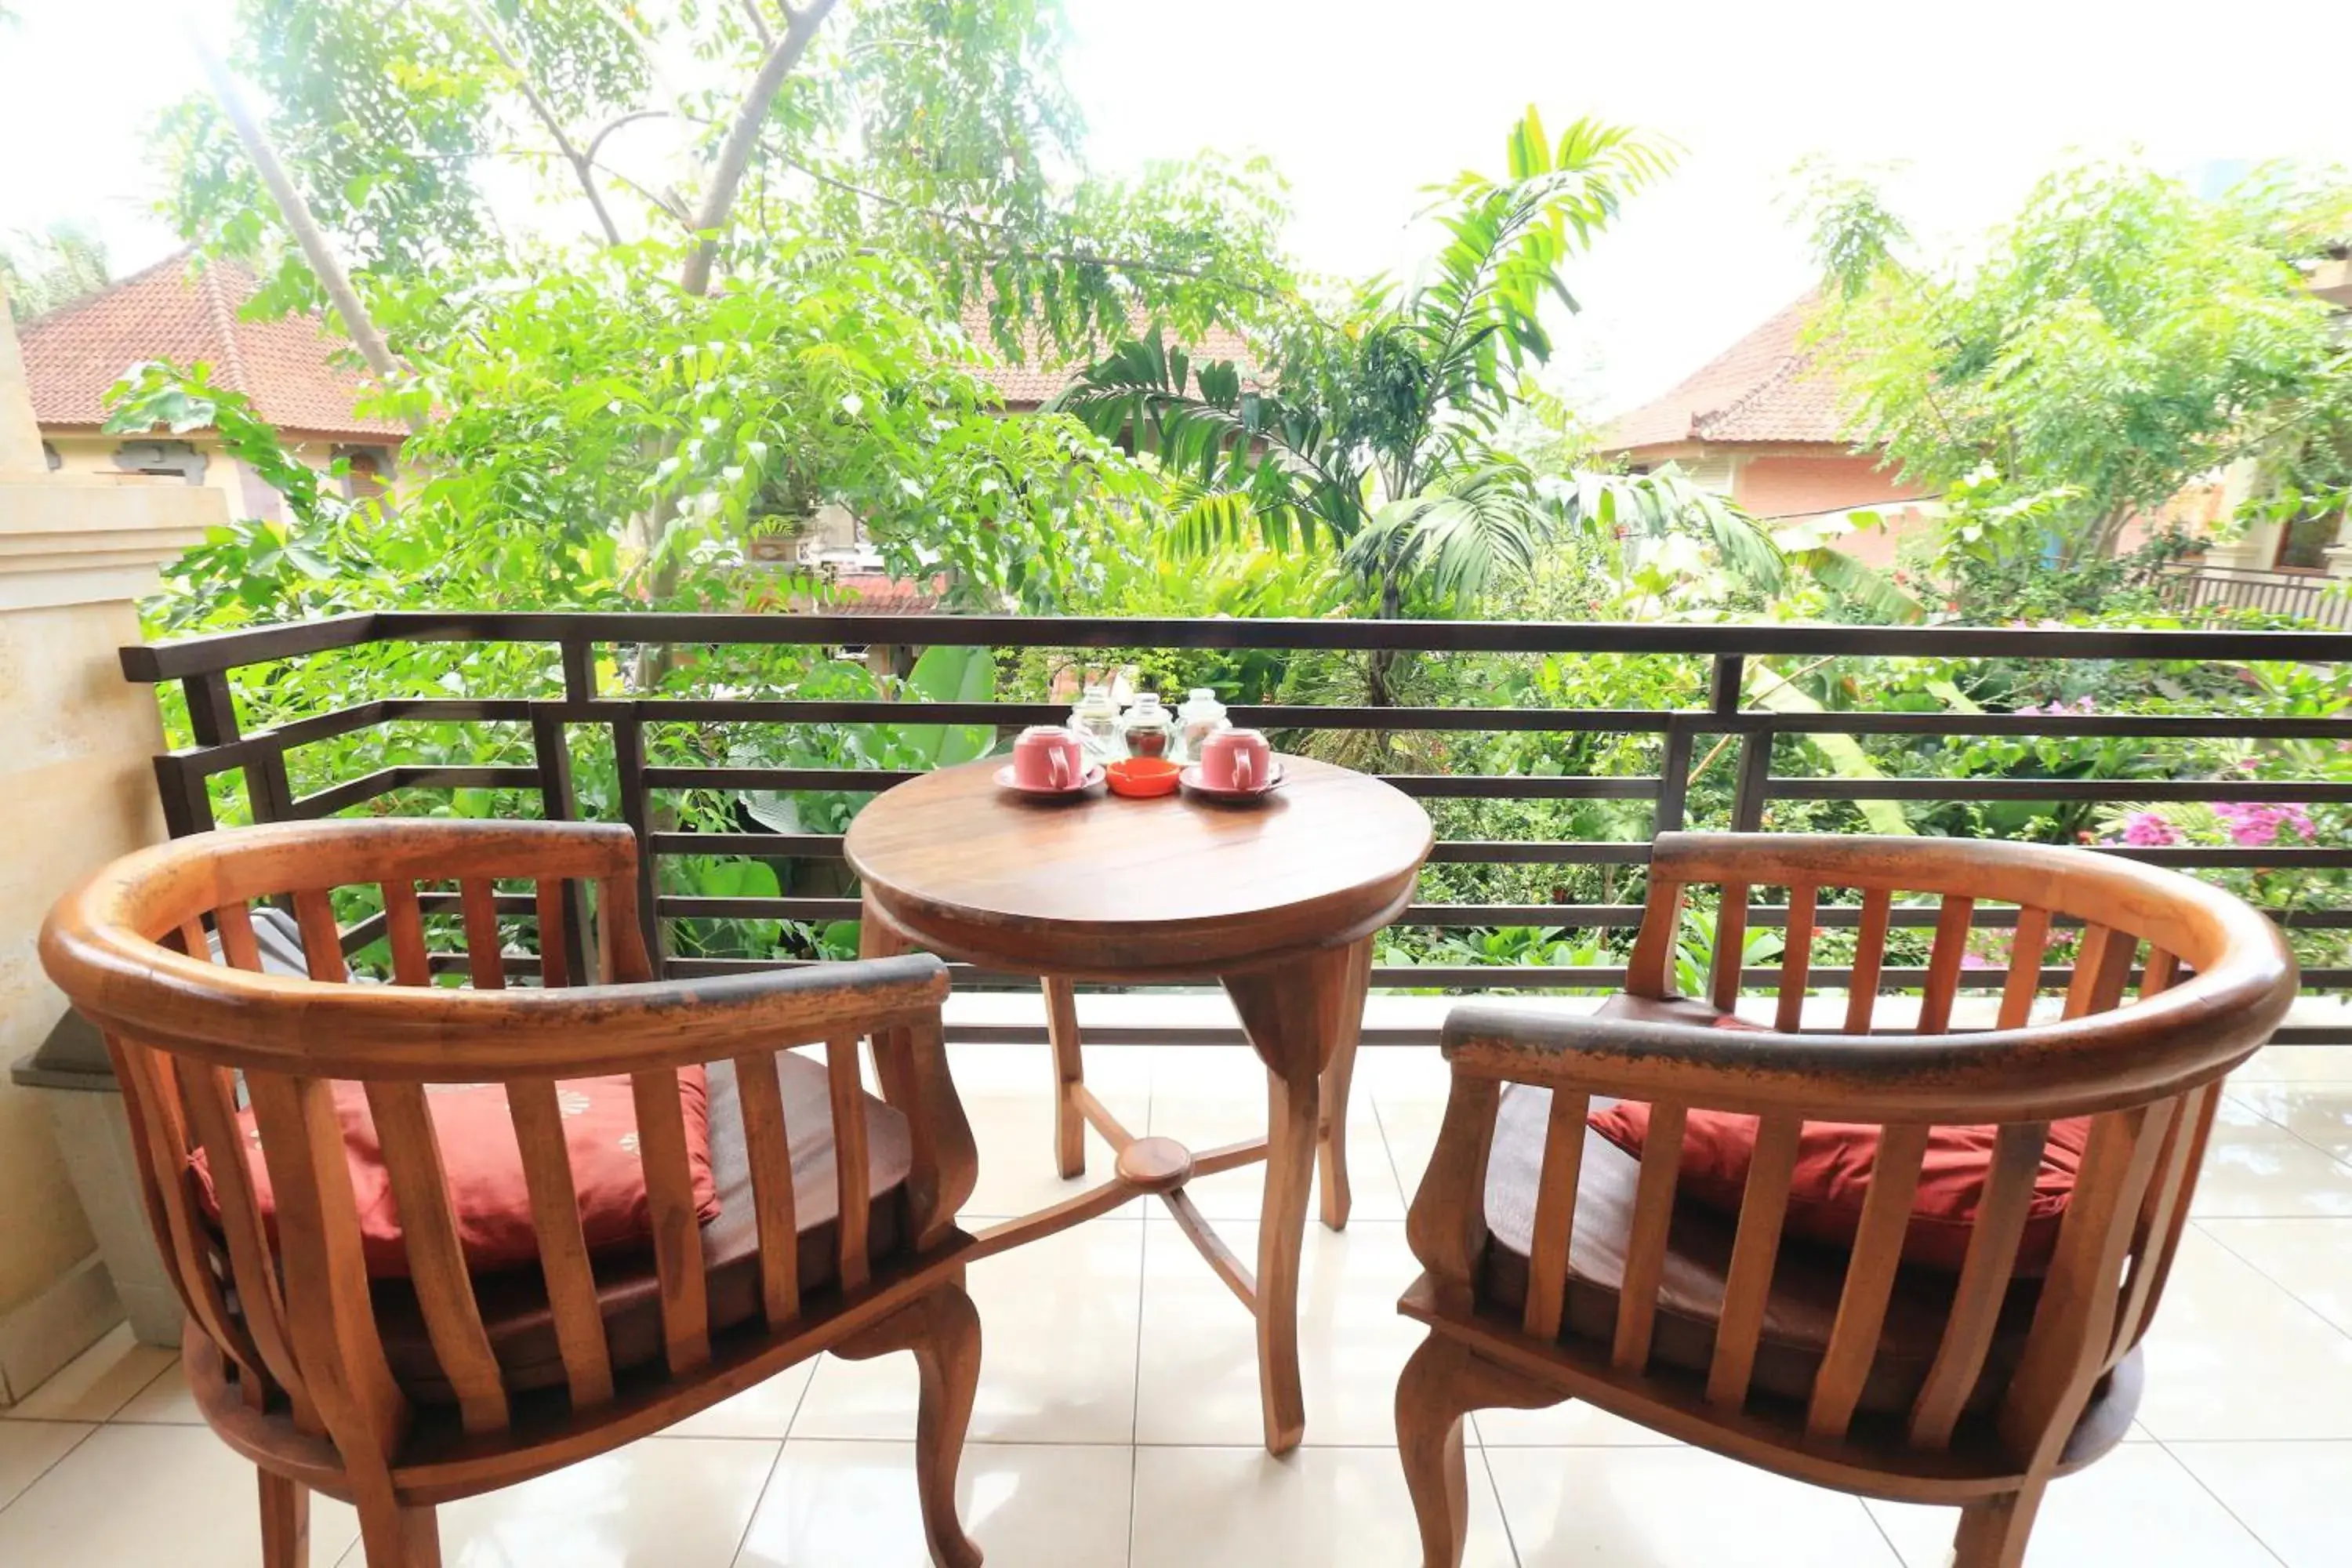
pixel 1047 756
pixel 1236 762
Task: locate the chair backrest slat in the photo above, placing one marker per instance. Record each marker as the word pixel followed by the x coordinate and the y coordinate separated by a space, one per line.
pixel 2073 1320
pixel 238 944
pixel 1985 1272
pixel 538 1118
pixel 1730 945
pixel 846 1102
pixel 322 940
pixel 159 1144
pixel 337 1342
pixel 2102 968
pixel 2023 982
pixel 1796 959
pixel 404 930
pixel 1869 1279
pixel 436 1261
pixel 1650 972
pixel 1555 1221
pixel 1645 1247
pixel 677 1229
pixel 1869 958
pixel 1951 946
pixel 2162 1211
pixel 767 1146
pixel 555 971
pixel 209 1100
pixel 485 954
pixel 2161 970
pixel 1755 1249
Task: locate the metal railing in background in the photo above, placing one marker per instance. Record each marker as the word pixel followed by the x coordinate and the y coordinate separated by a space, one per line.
pixel 2308 595
pixel 201 667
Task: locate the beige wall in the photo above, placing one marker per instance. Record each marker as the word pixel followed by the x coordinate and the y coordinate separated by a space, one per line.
pixel 90 453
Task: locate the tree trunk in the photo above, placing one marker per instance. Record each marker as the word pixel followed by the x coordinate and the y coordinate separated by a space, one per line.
pixel 316 249
pixel 735 157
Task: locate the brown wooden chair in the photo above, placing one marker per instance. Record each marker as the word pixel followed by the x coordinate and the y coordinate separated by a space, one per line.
pixel 837 1230
pixel 1557 1266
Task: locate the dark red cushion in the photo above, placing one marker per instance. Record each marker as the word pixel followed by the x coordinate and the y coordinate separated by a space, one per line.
pixel 487 1194
pixel 1834 1162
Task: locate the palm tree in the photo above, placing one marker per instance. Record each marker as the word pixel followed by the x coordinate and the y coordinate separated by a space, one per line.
pixel 1378 437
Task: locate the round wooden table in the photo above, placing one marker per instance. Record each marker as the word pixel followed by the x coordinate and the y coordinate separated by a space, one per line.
pixel 1276 901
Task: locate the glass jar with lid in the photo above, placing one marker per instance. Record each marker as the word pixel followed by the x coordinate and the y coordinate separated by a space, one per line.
pixel 1200 716
pixel 1094 721
pixel 1148 729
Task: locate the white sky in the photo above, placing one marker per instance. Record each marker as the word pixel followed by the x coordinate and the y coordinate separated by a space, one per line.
pixel 1361 102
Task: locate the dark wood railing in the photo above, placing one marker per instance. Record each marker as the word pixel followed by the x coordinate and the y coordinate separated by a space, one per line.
pixel 2308 595
pixel 201 667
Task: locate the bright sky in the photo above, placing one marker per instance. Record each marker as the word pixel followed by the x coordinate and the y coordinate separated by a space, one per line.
pixel 1361 102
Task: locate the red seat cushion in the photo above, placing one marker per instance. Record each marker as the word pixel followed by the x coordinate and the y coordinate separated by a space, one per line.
pixel 488 1197
pixel 1834 1162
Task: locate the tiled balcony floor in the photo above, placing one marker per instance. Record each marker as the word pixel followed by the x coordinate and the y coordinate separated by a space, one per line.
pixel 1117 1413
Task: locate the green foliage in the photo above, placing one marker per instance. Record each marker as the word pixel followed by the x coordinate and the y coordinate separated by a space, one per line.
pixel 42 271
pixel 1379 437
pixel 2123 336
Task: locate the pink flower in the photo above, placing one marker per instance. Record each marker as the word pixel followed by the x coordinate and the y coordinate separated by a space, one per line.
pixel 2253 824
pixel 2149 830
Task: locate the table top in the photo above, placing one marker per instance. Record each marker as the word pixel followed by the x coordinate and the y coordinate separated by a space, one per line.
pixel 1114 887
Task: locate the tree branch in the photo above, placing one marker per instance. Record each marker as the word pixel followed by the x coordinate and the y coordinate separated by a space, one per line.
pixel 547 117
pixel 760 23
pixel 316 249
pixel 727 177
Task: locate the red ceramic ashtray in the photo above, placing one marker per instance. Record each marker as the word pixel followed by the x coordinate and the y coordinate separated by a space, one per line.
pixel 1141 778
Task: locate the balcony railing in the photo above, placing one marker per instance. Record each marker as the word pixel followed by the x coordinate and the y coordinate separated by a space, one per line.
pixel 583 643
pixel 2307 595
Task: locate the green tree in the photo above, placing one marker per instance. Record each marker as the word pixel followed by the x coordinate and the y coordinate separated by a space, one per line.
pixel 2121 336
pixel 45 270
pixel 1378 436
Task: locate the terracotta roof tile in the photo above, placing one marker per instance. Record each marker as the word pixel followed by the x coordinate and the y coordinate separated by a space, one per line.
pixel 1767 388
pixel 1039 378
pixel 287 368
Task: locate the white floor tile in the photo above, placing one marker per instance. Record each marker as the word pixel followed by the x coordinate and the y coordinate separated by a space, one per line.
pixel 2296 1498
pixel 27 1449
pixel 2232 1355
pixel 2254 1167
pixel 1200 1378
pixel 165 1402
pixel 97 1383
pixel 853 1505
pixel 1572 1423
pixel 2137 1506
pixel 1316 1508
pixel 1674 1508
pixel 2310 1258
pixel 139 1497
pixel 763 1410
pixel 1057 1350
pixel 1015 1137
pixel 681 1504
pixel 2286 1064
pixel 2318 1113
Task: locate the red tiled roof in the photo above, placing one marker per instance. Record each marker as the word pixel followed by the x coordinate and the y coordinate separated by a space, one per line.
pixel 1039 378
pixel 1767 388
pixel 76 353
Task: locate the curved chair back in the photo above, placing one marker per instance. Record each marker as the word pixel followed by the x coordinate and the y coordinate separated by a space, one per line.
pixel 2174 984
pixel 287 1303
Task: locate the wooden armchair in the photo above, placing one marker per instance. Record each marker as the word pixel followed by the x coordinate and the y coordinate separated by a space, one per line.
pixel 836 1228
pixel 1559 1267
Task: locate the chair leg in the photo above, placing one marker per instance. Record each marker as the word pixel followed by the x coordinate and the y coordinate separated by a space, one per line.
pixel 1994 1532
pixel 942 1330
pixel 284 1523
pixel 1442 1383
pixel 392 1535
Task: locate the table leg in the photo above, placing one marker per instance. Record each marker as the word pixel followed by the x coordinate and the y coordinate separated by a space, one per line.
pixel 1069 1073
pixel 878 938
pixel 1332 1151
pixel 1292 1020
